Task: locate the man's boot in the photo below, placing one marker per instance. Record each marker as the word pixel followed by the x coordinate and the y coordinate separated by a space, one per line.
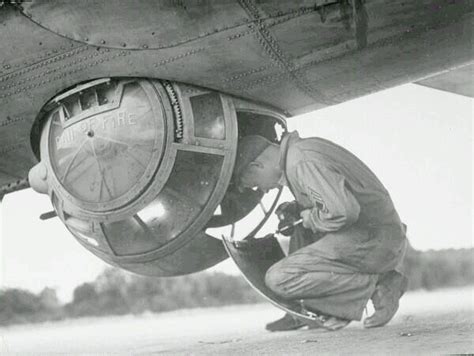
pixel 288 322
pixel 386 299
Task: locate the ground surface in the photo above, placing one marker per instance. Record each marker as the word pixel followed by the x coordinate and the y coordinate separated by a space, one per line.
pixel 437 322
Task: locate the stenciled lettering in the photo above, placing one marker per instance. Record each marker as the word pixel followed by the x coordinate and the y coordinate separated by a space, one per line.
pixel 110 121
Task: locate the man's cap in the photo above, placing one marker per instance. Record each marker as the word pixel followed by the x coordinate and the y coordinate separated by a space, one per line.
pixel 248 149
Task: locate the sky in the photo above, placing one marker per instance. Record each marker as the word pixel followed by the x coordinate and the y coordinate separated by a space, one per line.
pixel 417 140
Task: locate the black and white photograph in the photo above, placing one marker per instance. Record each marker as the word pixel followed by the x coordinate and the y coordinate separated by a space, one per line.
pixel 236 177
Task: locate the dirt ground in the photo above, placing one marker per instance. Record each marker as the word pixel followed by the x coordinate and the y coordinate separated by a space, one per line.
pixel 439 322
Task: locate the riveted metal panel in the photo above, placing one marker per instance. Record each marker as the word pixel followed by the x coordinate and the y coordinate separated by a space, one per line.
pixel 136 24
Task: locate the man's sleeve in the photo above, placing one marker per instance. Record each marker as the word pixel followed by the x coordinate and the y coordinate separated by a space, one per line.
pixel 334 206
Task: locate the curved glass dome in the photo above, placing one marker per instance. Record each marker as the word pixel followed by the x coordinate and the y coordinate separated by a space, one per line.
pixel 192 181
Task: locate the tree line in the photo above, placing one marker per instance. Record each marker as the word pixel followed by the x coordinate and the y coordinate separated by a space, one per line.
pixel 116 292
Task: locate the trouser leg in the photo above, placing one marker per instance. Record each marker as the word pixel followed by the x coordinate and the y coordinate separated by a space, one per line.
pixel 325 285
pixel 396 278
pixel 338 274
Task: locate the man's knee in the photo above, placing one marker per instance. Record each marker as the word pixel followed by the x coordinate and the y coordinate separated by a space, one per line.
pixel 287 280
pixel 277 278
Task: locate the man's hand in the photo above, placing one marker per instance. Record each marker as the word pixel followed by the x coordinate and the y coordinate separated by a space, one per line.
pixel 287 213
pixel 306 216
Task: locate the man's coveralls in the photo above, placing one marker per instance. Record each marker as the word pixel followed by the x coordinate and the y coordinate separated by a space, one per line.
pixel 357 235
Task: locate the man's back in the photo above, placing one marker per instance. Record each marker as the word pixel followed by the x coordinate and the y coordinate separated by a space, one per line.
pixel 376 206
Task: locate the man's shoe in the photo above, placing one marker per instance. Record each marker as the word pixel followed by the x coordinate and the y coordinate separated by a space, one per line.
pixel 333 323
pixel 288 322
pixel 386 299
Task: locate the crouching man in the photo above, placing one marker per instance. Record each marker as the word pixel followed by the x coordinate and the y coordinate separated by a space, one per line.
pixel 352 243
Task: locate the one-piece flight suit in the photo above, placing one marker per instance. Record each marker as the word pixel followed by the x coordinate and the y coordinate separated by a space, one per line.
pixel 357 232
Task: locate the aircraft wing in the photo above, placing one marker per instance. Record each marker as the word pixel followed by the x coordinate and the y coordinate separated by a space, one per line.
pixel 458 81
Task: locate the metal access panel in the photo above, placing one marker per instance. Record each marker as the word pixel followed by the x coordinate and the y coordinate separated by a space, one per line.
pixel 254 257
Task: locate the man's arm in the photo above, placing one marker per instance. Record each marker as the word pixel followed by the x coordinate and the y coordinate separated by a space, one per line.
pixel 334 206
